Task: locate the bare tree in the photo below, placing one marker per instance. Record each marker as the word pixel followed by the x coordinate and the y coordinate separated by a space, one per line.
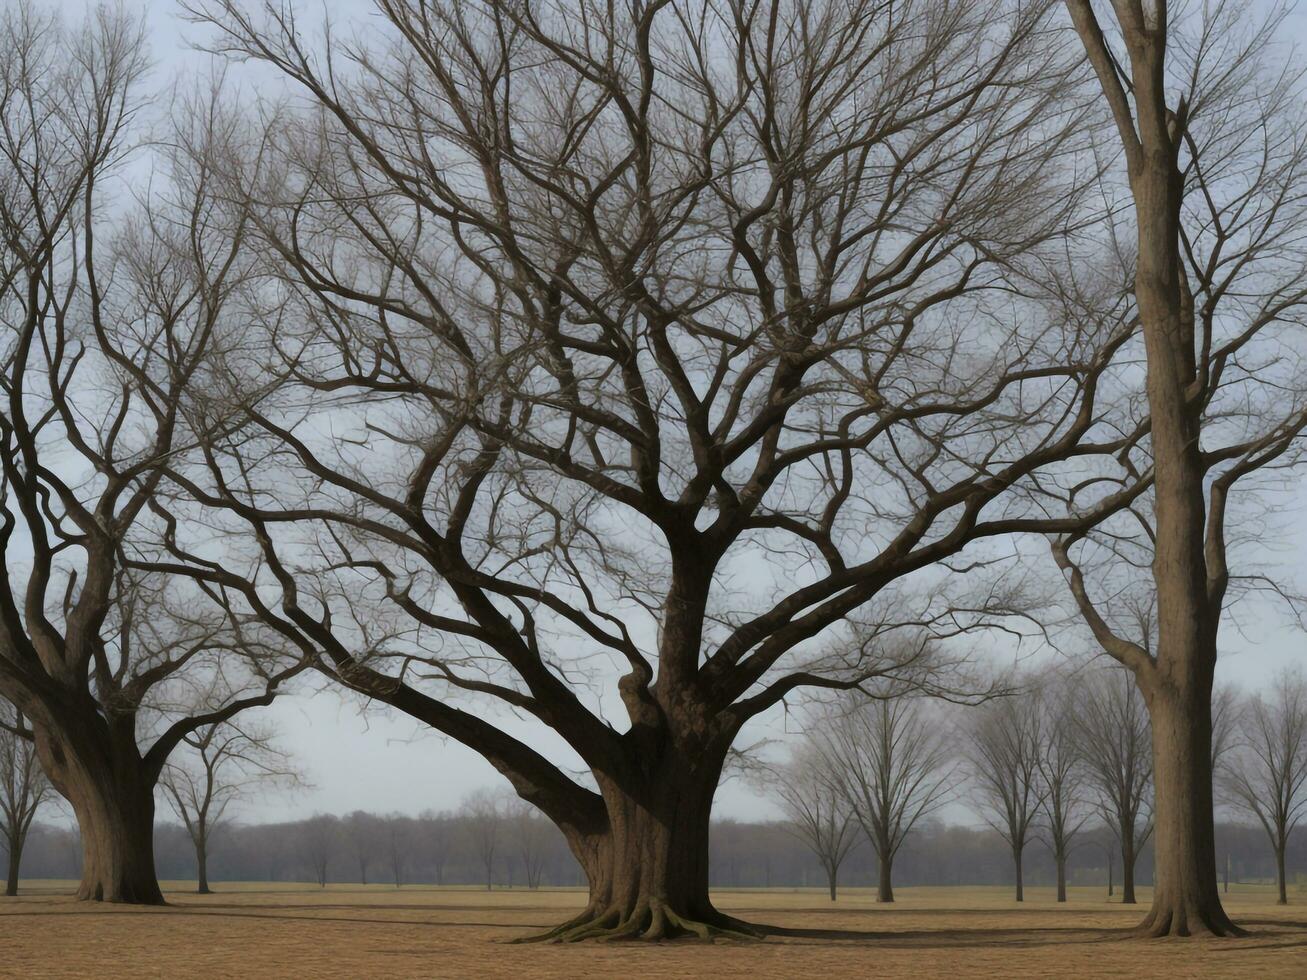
pixel 399 845
pixel 319 842
pixel 358 831
pixel 23 789
pixel 1004 743
pixel 1209 123
pixel 102 353
pixel 220 764
pixel 1266 775
pixel 436 834
pixel 531 834
pixel 1063 772
pixel 816 810
pixel 1112 725
pixel 891 762
pixel 483 814
pixel 753 294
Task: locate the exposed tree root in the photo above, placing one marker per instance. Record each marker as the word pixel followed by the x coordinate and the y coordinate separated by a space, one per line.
pixel 1167 922
pixel 650 921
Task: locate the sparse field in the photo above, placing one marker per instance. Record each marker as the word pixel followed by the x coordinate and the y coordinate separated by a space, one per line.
pixel 348 931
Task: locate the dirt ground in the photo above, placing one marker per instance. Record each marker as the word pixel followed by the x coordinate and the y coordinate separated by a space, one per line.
pixel 259 930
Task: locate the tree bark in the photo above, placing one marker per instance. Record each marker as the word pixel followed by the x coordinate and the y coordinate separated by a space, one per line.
pixel 1279 876
pixel 647 860
pixel 113 801
pixel 1186 900
pixel 15 858
pixel 1060 860
pixel 831 874
pixel 885 891
pixel 1016 862
pixel 1128 866
pixel 202 865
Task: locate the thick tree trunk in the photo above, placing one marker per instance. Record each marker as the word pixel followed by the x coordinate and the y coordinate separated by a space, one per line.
pixel 114 805
pixel 885 889
pixel 1186 900
pixel 647 864
pixel 1016 861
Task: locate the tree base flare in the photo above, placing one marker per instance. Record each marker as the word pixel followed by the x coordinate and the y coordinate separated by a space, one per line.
pixel 651 921
pixel 1166 921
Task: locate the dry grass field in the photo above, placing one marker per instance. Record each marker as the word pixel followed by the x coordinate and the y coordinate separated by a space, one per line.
pixel 348 931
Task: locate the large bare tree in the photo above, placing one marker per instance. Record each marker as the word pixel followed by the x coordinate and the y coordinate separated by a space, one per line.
pixel 101 351
pixel 1112 724
pixel 892 763
pixel 23 789
pixel 1005 742
pixel 1266 772
pixel 631 349
pixel 1209 124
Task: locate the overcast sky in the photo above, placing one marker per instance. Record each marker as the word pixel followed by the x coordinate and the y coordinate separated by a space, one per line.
pixel 370 757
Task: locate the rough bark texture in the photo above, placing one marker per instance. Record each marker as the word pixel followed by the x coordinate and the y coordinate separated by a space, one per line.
pixel 1186 900
pixel 114 805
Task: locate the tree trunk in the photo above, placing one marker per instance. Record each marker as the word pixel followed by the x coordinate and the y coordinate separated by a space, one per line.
pixel 885 891
pixel 832 873
pixel 113 802
pixel 15 858
pixel 1279 876
pixel 1110 891
pixel 1060 860
pixel 647 862
pixel 202 865
pixel 1226 882
pixel 1127 866
pixel 1016 861
pixel 1185 896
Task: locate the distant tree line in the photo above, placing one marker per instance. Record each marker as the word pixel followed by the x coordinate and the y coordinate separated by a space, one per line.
pixel 438 848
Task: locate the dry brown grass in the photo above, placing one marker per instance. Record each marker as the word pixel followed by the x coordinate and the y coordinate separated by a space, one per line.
pixel 348 931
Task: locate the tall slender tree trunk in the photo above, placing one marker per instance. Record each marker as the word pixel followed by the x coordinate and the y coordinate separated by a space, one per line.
pixel 1127 866
pixel 1279 876
pixel 15 859
pixel 1060 860
pixel 885 889
pixel 831 873
pixel 1225 884
pixel 1185 895
pixel 202 864
pixel 1110 891
pixel 1016 861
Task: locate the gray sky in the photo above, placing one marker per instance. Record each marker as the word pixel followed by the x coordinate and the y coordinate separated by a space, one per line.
pixel 375 759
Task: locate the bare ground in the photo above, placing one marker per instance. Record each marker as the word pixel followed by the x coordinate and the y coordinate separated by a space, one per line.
pixel 348 931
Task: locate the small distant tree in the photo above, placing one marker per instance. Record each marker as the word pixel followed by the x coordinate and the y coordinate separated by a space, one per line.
pixel 319 841
pixel 1267 773
pixel 817 811
pixel 435 842
pixel 531 834
pixel 23 788
pixel 399 843
pixel 889 761
pixel 223 764
pixel 1112 722
pixel 483 819
pixel 1004 760
pixel 359 830
pixel 1061 767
